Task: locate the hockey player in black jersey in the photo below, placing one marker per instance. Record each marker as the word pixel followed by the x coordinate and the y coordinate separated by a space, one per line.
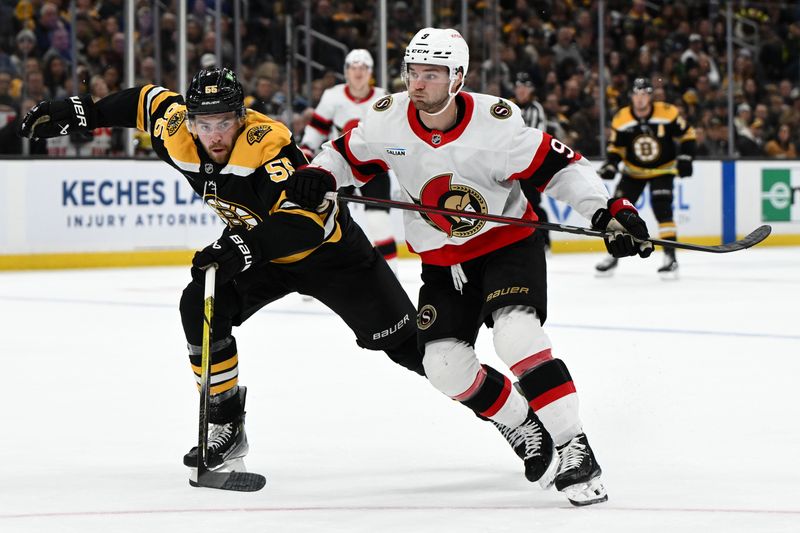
pixel 238 161
pixel 643 138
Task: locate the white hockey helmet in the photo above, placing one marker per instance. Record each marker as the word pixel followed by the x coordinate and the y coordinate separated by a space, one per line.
pixel 437 46
pixel 358 55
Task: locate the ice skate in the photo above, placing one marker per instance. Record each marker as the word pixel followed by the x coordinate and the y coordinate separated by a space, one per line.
pixel 669 268
pixel 578 475
pixel 606 267
pixel 533 444
pixel 227 440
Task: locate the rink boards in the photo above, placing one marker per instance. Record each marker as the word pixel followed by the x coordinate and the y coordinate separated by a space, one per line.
pixel 61 213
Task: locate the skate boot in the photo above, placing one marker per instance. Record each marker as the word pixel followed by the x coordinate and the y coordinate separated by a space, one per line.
pixel 578 475
pixel 227 441
pixel 669 268
pixel 533 444
pixel 606 267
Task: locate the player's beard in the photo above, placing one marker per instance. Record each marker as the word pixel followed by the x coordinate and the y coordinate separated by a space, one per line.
pixel 433 107
pixel 219 158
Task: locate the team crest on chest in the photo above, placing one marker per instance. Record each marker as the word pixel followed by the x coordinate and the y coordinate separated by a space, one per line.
pixel 500 110
pixel 383 104
pixel 234 215
pixel 440 192
pixel 174 122
pixel 646 148
pixel 254 135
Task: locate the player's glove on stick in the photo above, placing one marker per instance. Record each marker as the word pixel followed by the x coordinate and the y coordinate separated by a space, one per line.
pixel 684 166
pixel 625 226
pixel 233 253
pixel 308 185
pixel 59 117
pixel 608 171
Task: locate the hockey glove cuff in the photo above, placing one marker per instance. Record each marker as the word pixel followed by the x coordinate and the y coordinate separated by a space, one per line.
pixel 55 118
pixel 684 166
pixel 625 230
pixel 233 253
pixel 308 185
pixel 608 171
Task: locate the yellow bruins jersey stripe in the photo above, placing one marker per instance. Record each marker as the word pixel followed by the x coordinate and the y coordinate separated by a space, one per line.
pixel 327 220
pixel 336 237
pixel 635 171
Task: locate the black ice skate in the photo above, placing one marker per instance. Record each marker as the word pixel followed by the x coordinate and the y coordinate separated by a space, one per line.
pixel 606 267
pixel 578 474
pixel 533 444
pixel 669 268
pixel 227 440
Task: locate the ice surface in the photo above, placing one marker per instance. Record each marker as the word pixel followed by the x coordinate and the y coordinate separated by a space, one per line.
pixel 689 394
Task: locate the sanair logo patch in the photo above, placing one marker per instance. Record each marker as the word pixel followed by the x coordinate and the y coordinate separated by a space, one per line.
pixel 175 121
pixel 383 104
pixel 254 135
pixel 396 151
pixel 500 110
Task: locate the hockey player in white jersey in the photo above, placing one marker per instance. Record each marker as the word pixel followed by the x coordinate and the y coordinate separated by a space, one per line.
pixel 472 152
pixel 340 110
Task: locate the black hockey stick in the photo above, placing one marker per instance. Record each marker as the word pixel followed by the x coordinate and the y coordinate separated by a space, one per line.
pixel 755 237
pixel 240 481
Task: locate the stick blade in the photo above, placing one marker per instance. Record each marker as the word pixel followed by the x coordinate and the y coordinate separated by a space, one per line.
pixel 755 237
pixel 237 481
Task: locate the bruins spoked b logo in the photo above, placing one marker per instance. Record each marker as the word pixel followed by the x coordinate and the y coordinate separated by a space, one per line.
pixel 426 316
pixel 440 192
pixel 646 148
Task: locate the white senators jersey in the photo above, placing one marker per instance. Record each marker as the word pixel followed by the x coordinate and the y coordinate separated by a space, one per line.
pixel 338 112
pixel 479 165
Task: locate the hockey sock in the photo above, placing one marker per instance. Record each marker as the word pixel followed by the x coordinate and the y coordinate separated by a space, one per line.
pixel 493 397
pixel 552 396
pixel 224 365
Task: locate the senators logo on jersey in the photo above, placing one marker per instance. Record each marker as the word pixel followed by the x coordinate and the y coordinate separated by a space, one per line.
pixel 383 104
pixel 441 192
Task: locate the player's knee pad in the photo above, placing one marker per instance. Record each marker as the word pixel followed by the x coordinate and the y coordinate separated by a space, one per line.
pixel 661 199
pixel 451 366
pixel 519 340
pixel 407 355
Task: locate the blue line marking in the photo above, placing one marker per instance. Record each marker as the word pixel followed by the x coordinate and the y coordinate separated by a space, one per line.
pixel 728 201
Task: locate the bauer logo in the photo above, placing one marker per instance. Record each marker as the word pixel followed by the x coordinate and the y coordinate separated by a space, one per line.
pixel 780 194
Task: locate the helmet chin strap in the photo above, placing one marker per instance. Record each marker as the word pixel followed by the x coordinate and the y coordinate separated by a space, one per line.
pixel 451 95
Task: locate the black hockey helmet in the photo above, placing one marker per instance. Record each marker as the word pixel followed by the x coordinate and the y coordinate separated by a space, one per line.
pixel 215 90
pixel 642 85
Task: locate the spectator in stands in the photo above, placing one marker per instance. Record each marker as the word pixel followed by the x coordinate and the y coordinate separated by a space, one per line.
pixel 781 145
pixel 5 86
pixel 26 47
pixel 35 87
pixel 11 143
pixel 49 21
pixel 566 53
pixel 263 98
pixel 55 76
pixel 59 46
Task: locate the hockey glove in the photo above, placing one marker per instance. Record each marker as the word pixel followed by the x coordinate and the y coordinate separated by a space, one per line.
pixel 626 230
pixel 233 253
pixel 53 118
pixel 308 185
pixel 608 171
pixel 684 166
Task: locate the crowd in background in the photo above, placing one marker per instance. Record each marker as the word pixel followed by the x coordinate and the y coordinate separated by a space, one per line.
pixel 551 45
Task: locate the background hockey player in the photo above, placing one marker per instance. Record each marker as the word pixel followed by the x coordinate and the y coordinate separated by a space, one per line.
pixel 473 152
pixel 643 137
pixel 340 109
pixel 238 161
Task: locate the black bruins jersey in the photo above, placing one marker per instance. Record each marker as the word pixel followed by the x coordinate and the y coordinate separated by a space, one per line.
pixel 647 146
pixel 248 191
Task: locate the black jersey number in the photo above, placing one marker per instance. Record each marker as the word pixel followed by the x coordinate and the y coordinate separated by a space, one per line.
pixel 279 169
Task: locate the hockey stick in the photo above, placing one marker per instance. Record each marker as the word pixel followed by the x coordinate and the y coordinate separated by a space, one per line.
pixel 755 237
pixel 239 481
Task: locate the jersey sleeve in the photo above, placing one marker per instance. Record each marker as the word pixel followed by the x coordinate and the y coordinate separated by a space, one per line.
pixel 555 169
pixel 685 135
pixel 319 128
pixel 350 159
pixel 138 107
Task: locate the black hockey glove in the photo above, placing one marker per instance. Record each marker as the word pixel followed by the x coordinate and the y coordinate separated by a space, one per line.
pixel 684 166
pixel 308 185
pixel 625 226
pixel 233 253
pixel 53 118
pixel 608 171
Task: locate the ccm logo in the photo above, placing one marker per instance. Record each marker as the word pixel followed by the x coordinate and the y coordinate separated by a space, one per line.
pixel 245 251
pixel 79 113
pixel 507 290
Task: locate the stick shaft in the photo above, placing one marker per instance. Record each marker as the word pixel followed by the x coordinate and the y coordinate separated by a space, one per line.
pixel 205 369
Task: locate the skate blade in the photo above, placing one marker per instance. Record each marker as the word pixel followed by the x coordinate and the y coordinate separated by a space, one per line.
pixel 582 494
pixel 234 465
pixel 604 273
pixel 671 275
pixel 549 477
